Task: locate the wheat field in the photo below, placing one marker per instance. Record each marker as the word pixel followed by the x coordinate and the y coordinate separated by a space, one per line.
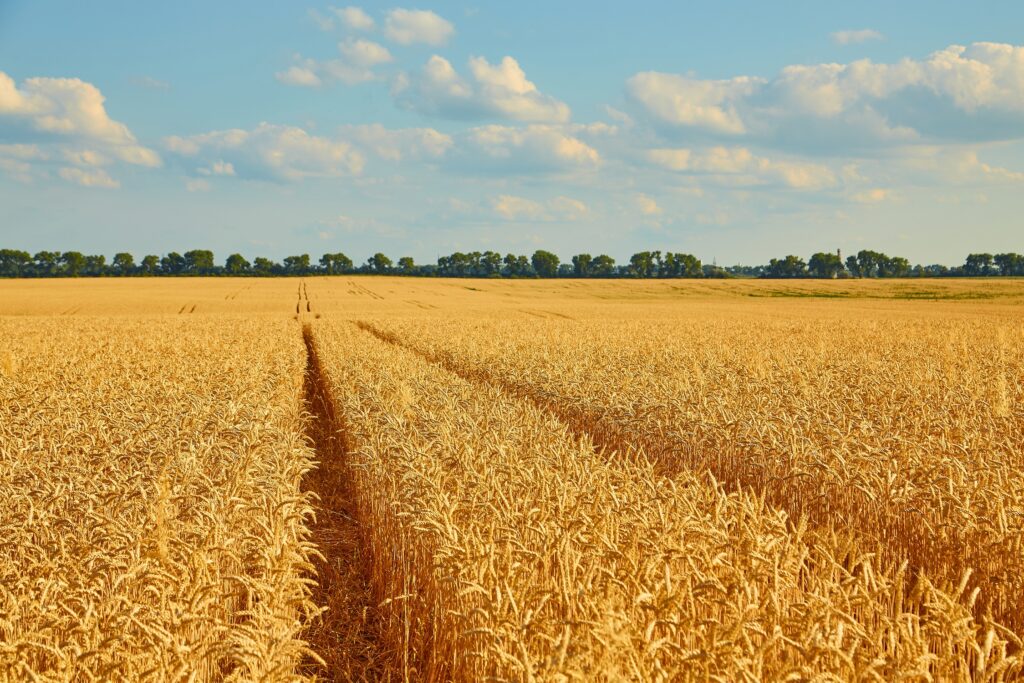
pixel 369 478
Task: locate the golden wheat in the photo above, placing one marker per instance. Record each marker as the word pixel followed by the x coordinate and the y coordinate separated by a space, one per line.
pixel 504 548
pixel 151 518
pixel 910 433
pixel 548 480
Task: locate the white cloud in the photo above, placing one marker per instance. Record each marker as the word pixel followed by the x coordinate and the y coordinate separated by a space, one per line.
pixel 365 53
pixel 494 90
pixel 356 66
pixel 739 165
pixel 354 18
pixel 647 205
pixel 872 196
pixel 85 157
pixel 217 168
pixel 22 151
pixel 853 37
pixel 95 178
pixel 512 207
pixel 684 101
pixel 64 118
pixel 568 208
pixel 67 109
pixel 956 166
pixel 304 76
pixel 197 185
pixel 270 152
pixel 395 145
pixel 958 93
pixel 536 147
pixel 406 27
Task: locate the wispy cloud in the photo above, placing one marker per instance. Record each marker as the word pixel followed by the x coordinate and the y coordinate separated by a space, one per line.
pixel 853 37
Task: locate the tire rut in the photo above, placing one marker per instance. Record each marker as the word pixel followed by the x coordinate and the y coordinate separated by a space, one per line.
pixel 346 636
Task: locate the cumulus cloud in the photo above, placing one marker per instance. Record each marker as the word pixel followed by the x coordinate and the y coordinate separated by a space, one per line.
pixel 530 148
pixel 304 76
pixel 67 109
pixel 512 207
pixel 960 93
pixel 364 53
pixel 406 27
pixel 738 165
pixel 217 168
pixel 853 37
pixel 94 178
pixel 954 165
pixel 395 145
pixel 647 205
pixel 492 90
pixel 65 117
pixel 684 101
pixel 358 59
pixel 355 18
pixel 269 152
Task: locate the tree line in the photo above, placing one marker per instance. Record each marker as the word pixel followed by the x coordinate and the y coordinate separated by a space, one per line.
pixel 543 264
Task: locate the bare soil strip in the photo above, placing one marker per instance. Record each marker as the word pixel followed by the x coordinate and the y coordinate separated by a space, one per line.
pixel 345 636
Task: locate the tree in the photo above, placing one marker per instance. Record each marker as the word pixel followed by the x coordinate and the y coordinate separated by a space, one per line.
pixel 680 265
pixel 869 263
pixel 46 263
pixel 979 264
pixel 334 264
pixel 150 264
pixel 379 263
pixel 642 264
pixel 791 266
pixel 406 265
pixel 199 261
pixel 1008 264
pixel 14 263
pixel 524 267
pixel 236 264
pixel 95 265
pixel 490 264
pixel 172 264
pixel 124 263
pixel 691 266
pixel 603 266
pixel 545 264
pixel 895 266
pixel 73 263
pixel 581 265
pixel 263 266
pixel 853 265
pixel 825 265
pixel 296 265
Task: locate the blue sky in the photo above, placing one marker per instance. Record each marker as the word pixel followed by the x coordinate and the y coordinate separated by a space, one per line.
pixel 736 131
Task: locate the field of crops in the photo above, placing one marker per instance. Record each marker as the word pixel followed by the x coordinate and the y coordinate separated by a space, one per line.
pixel 401 479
